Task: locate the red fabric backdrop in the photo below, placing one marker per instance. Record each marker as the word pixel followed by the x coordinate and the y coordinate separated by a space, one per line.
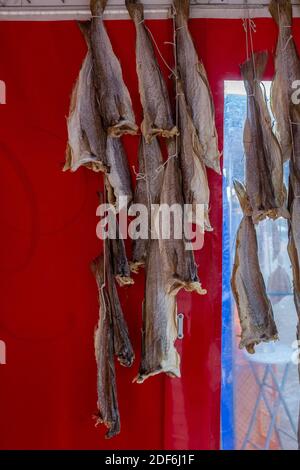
pixel 48 300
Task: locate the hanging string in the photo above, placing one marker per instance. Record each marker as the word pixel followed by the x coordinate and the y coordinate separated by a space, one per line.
pixel 144 176
pixel 157 48
pixel 249 28
pixel 245 26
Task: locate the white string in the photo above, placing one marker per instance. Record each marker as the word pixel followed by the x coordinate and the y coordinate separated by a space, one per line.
pixel 245 26
pixel 158 170
pixel 159 51
pixel 139 176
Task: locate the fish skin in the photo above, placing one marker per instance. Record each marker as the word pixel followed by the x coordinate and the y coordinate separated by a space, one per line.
pixel 147 192
pixel 86 136
pixel 115 245
pixel 159 331
pixel 113 96
pixel 104 351
pixel 158 120
pixel 194 176
pixel 122 345
pixel 179 264
pixel 264 162
pixel 294 231
pixel 294 247
pixel 287 66
pixel 196 88
pixel 248 287
pixel 295 132
pixel 118 176
pixel 121 268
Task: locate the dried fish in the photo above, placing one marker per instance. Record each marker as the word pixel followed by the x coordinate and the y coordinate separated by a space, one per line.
pixel 104 350
pixel 113 96
pixel 120 263
pixel 196 88
pixel 147 192
pixel 247 283
pixel 118 178
pixel 86 136
pixel 287 65
pixel 264 162
pixel 153 91
pixel 159 323
pixel 111 338
pixel 178 262
pixel 294 234
pixel 194 177
pixel 122 345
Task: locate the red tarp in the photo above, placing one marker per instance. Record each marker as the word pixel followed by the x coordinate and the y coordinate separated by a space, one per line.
pixel 48 299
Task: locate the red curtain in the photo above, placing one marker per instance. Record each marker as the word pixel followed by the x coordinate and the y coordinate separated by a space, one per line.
pixel 48 300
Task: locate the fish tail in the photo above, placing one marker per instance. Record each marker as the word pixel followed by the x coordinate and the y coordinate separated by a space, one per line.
pixel 68 163
pixel 135 10
pixel 97 6
pixel 182 8
pixel 254 67
pixel 242 197
pixel 281 11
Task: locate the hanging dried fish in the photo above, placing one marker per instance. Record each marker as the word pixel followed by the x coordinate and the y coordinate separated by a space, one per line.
pixel 147 192
pixel 86 136
pixel 113 96
pixel 159 322
pixel 118 178
pixel 122 345
pixel 264 162
pixel 247 283
pixel 287 66
pixel 178 262
pixel 196 88
pixel 111 338
pixel 194 177
pixel 153 91
pixel 115 244
pixel 104 350
pixel 120 263
pixel 294 248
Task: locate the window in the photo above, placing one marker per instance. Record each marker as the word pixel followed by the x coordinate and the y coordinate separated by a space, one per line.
pixel 260 392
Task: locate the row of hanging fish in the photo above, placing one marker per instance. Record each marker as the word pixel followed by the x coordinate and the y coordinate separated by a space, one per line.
pixel 100 113
pixel 264 195
pixel 287 66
